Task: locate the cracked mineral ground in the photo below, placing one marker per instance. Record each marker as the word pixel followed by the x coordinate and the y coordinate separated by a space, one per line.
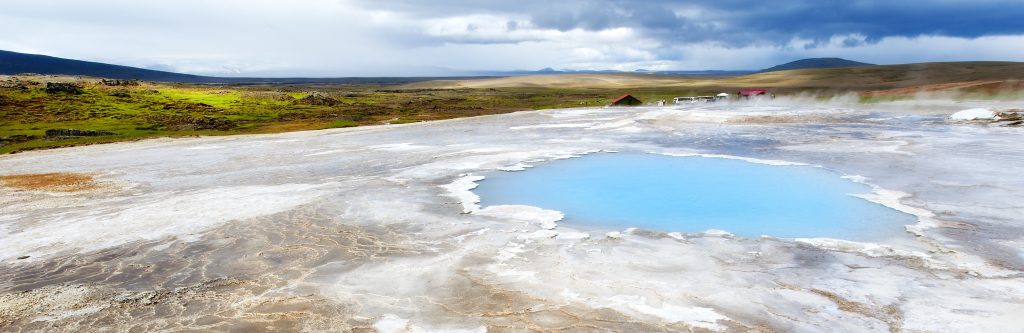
pixel 377 229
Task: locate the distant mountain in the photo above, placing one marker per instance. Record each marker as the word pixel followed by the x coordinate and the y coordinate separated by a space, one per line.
pixel 960 77
pixel 817 63
pixel 18 63
pixel 705 72
pixel 22 63
pixel 549 70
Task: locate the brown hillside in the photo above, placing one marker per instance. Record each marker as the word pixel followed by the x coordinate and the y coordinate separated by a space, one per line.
pixel 867 78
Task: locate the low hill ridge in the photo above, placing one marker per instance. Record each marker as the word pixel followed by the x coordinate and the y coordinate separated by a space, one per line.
pixel 816 63
pixel 17 63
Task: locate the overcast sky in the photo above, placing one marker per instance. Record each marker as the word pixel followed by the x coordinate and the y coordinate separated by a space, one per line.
pixel 444 37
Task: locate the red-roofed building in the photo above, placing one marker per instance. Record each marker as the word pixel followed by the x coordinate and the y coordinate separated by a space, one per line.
pixel 752 92
pixel 626 100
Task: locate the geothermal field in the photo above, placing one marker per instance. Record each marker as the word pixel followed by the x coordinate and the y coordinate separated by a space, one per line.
pixel 382 228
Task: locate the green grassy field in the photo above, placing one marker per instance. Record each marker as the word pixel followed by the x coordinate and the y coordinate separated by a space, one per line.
pixel 119 113
pixel 101 113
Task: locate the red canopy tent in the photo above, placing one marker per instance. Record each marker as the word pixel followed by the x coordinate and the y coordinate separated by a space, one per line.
pixel 752 92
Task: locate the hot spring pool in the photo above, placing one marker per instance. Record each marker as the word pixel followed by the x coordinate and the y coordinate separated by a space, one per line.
pixel 694 194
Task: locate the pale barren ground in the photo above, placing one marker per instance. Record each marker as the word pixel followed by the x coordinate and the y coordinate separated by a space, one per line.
pixel 375 229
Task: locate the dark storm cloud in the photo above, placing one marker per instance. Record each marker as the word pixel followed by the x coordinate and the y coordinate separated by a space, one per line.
pixel 444 37
pixel 879 19
pixel 742 22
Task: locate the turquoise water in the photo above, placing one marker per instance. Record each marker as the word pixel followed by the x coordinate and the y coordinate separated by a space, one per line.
pixel 694 194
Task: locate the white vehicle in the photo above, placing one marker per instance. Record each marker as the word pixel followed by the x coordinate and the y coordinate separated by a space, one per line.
pixel 684 100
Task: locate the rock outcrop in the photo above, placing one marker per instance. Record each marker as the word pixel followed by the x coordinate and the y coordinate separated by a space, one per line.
pixel 63 88
pixel 117 83
pixel 317 98
pixel 62 133
pixel 1010 117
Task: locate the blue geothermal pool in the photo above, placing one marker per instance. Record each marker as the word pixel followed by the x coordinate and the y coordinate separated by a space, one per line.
pixel 694 194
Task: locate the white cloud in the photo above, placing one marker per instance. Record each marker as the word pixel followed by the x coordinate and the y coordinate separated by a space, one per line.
pixel 352 38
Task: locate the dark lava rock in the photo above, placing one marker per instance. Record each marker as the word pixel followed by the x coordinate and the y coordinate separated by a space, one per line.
pixel 178 122
pixel 63 88
pixel 200 107
pixel 115 83
pixel 18 138
pixel 1010 115
pixel 61 133
pixel 317 98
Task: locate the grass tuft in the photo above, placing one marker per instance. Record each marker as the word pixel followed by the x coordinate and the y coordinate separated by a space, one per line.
pixel 341 123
